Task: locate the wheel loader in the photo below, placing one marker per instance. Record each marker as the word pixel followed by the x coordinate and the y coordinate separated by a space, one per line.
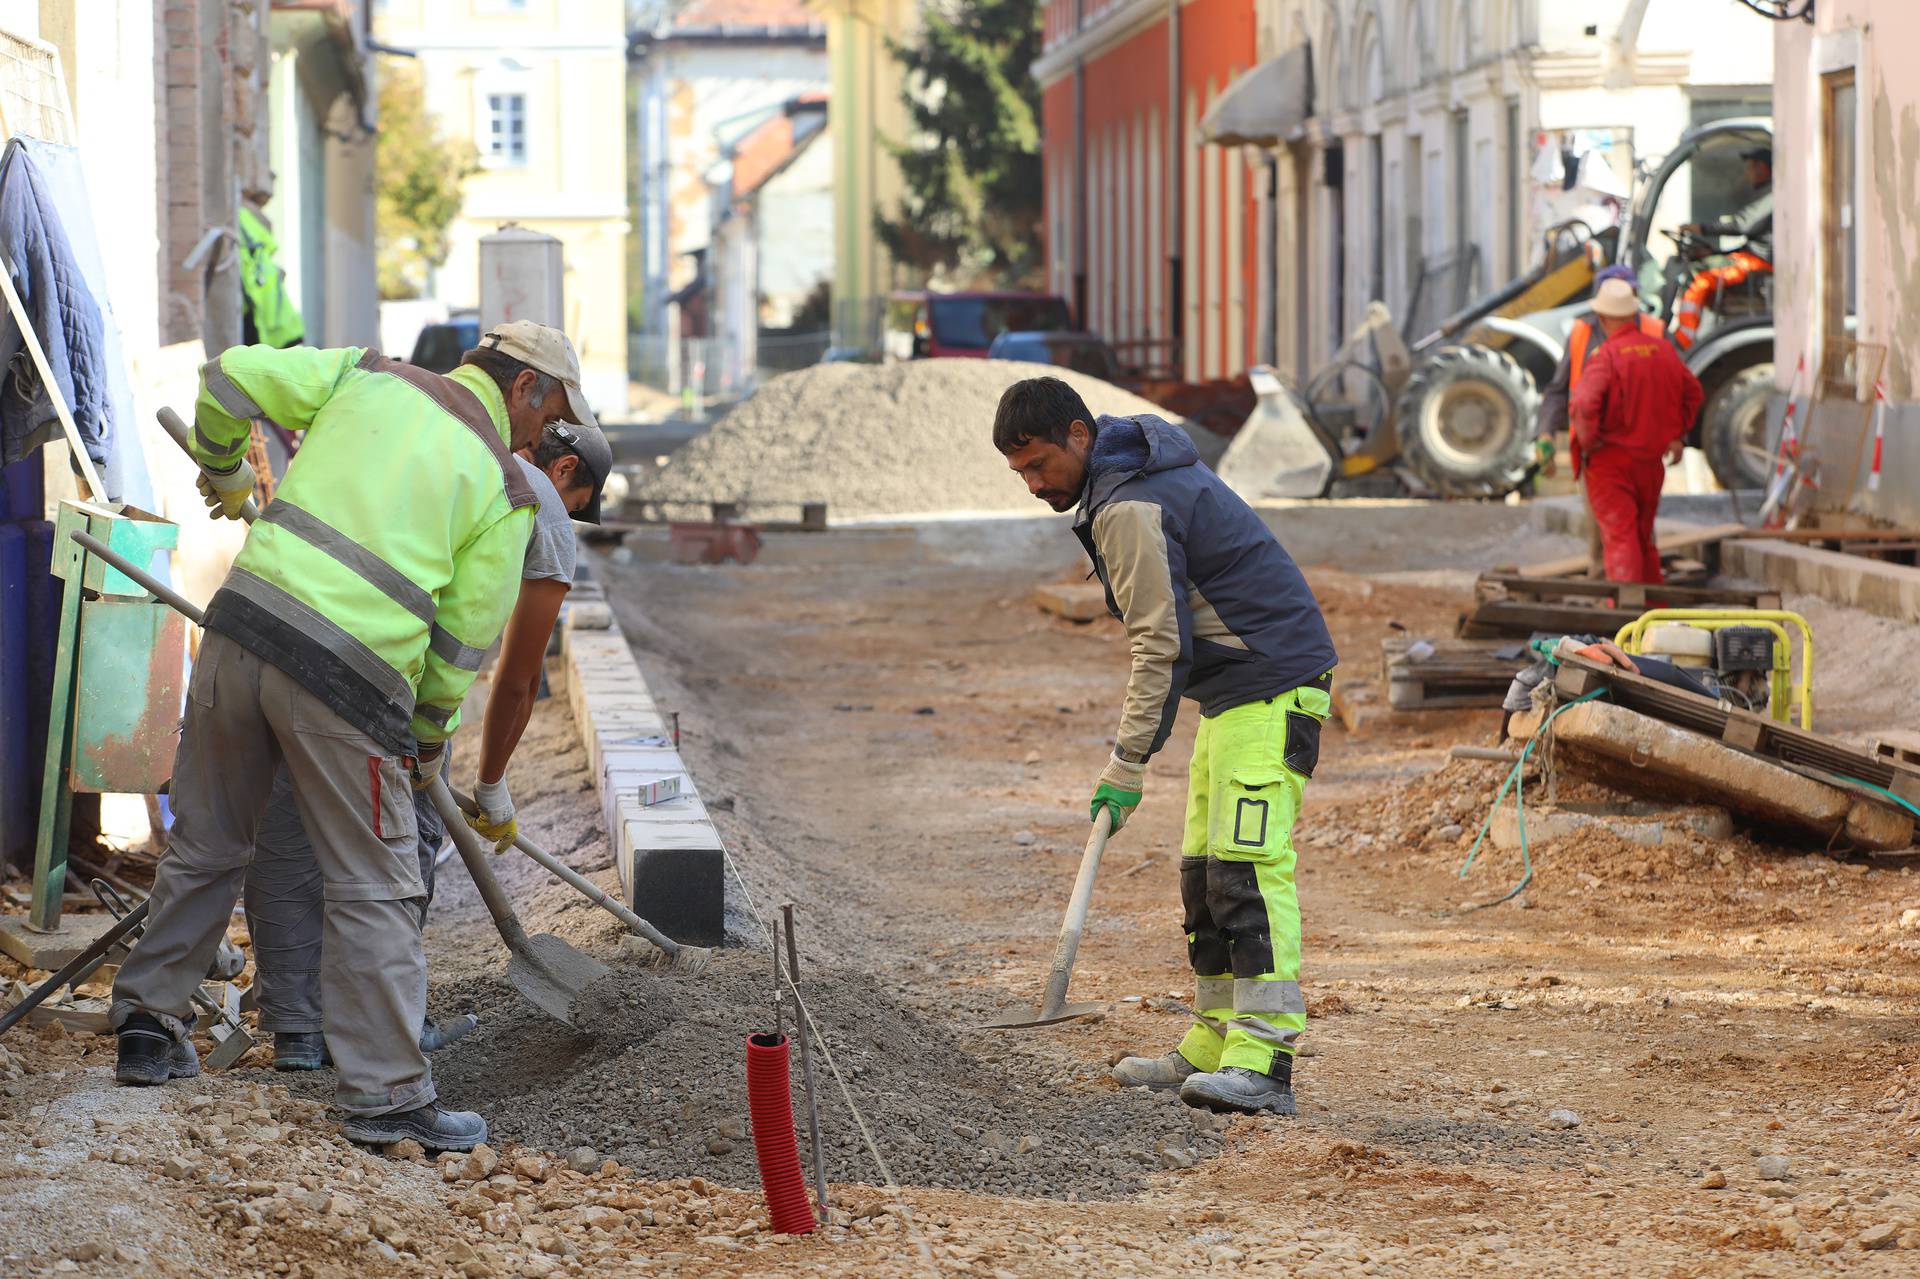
pixel 1452 411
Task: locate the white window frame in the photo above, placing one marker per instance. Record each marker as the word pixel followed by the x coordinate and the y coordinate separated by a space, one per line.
pixel 502 83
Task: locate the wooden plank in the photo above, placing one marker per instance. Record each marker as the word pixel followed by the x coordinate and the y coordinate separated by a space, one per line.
pixel 1833 534
pixel 1634 595
pixel 1670 544
pixel 1519 619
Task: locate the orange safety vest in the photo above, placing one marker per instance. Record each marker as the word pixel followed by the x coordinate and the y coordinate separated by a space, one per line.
pixel 1578 340
pixel 1708 284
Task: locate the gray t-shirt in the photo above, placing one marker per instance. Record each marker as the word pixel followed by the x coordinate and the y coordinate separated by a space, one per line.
pixel 551 551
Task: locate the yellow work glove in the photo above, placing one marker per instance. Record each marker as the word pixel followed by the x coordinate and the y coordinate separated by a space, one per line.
pixel 227 491
pixel 494 820
pixel 426 765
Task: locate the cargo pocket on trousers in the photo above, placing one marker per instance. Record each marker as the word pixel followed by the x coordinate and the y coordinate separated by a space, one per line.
pixel 390 799
pixel 206 669
pixel 1254 816
pixel 1302 751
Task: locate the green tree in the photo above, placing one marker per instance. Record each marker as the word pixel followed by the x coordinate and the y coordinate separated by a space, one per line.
pixel 418 176
pixel 972 165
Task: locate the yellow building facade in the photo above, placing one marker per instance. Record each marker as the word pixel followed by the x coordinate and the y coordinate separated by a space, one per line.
pixel 539 88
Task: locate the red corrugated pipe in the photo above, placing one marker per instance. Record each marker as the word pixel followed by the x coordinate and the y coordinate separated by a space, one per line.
pixel 770 1103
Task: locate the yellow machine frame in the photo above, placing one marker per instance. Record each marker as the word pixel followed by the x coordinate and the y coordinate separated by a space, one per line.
pixel 1784 693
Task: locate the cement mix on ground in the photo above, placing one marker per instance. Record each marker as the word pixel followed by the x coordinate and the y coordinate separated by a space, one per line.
pixel 872 440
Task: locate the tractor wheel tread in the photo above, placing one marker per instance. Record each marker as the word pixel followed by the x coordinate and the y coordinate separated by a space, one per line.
pixel 1494 476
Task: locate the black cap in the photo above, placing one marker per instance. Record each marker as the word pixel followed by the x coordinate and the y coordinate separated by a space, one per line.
pixel 589 444
pixel 1762 154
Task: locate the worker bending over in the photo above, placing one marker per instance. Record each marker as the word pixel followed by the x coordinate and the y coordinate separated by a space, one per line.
pixel 566 469
pixel 341 644
pixel 1584 337
pixel 1631 413
pixel 1215 610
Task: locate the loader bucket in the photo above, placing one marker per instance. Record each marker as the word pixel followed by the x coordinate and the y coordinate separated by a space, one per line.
pixel 1278 453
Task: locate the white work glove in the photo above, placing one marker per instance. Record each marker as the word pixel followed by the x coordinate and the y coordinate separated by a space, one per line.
pixel 426 765
pixel 227 491
pixel 1118 790
pixel 494 820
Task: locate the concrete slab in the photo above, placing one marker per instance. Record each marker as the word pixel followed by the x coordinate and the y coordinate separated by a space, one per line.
pixel 1649 757
pixel 669 856
pixel 1890 590
pixel 1075 601
pixel 56 949
pixel 1648 824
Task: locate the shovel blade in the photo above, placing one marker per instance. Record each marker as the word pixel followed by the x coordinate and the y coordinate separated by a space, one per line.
pixel 1066 1012
pixel 552 974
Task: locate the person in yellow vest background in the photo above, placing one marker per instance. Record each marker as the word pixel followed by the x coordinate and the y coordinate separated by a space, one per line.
pixel 1583 339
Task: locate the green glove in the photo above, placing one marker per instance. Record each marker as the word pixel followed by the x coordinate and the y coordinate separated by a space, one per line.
pixel 1118 790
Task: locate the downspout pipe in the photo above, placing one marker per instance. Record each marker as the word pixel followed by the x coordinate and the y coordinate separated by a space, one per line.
pixel 1080 219
pixel 1176 191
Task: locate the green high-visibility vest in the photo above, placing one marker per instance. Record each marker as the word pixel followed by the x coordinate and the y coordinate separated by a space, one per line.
pixel 390 556
pixel 276 320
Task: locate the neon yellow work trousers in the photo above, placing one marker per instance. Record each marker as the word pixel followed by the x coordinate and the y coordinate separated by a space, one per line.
pixel 1249 774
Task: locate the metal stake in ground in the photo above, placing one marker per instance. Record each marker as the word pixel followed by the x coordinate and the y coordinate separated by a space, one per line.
pixel 806 1064
pixel 1054 1007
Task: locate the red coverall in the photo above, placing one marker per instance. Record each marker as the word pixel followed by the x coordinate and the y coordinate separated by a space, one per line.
pixel 1635 400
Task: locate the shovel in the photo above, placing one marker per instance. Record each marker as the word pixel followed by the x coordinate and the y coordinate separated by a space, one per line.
pixel 692 960
pixel 1054 1007
pixel 551 973
pixel 545 969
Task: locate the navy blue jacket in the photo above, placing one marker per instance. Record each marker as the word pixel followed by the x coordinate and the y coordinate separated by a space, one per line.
pixel 1215 608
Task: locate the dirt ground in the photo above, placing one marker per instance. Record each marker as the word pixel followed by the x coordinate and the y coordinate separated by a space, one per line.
pixel 1698 1059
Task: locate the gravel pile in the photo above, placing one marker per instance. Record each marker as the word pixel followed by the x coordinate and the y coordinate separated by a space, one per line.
pixel 661 1086
pixel 913 438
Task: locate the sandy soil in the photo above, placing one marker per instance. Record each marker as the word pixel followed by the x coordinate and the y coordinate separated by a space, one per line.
pixel 1597 1076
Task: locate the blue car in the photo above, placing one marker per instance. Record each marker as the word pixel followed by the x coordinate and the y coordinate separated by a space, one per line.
pixel 1067 348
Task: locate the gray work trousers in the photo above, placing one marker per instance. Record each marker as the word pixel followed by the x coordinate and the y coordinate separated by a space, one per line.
pixel 284 910
pixel 245 718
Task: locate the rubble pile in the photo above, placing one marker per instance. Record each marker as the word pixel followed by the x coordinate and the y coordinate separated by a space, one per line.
pixel 872 440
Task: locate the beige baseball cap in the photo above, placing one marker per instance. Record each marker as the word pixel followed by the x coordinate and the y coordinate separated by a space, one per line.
pixel 1615 300
pixel 547 349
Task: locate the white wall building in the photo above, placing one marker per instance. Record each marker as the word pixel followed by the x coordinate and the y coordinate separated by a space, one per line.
pixel 1441 133
pixel 704 74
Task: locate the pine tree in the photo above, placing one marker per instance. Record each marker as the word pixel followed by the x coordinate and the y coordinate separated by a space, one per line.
pixel 972 166
pixel 418 175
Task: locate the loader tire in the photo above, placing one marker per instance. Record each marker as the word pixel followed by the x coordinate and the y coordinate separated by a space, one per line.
pixel 1734 429
pixel 1465 422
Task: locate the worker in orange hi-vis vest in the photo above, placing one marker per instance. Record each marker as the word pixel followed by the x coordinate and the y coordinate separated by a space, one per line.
pixel 1752 223
pixel 1583 340
pixel 1631 415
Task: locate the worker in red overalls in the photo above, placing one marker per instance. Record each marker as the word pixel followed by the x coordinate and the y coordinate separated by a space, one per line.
pixel 1631 413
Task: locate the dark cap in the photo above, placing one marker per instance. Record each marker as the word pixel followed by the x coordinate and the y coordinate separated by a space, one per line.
pixel 1762 154
pixel 589 444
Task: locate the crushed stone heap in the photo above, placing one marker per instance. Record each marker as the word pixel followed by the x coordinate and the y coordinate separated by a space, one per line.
pixel 913 438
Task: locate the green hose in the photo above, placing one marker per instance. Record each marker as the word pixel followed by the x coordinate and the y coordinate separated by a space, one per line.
pixel 1518 785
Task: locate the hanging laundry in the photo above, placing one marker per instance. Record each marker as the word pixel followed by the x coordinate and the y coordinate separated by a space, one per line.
pixel 1549 168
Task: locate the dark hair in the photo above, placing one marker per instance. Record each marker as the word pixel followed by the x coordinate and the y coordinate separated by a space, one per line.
pixel 551 449
pixel 503 369
pixel 1038 408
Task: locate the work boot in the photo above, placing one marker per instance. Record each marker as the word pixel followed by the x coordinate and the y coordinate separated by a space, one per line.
pixel 1248 1091
pixel 1158 1073
pixel 149 1054
pixel 430 1125
pixel 434 1036
pixel 300 1050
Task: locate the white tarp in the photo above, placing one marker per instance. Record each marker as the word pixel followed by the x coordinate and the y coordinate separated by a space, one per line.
pixel 1266 105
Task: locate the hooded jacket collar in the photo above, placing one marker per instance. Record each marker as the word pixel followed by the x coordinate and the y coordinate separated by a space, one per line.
pixel 1126 447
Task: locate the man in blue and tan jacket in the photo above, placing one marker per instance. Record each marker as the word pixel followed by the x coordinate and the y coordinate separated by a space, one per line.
pixel 1215 610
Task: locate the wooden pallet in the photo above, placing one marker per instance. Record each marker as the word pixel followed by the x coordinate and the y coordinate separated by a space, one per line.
pixel 1458 673
pixel 1516 604
pixel 1742 730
